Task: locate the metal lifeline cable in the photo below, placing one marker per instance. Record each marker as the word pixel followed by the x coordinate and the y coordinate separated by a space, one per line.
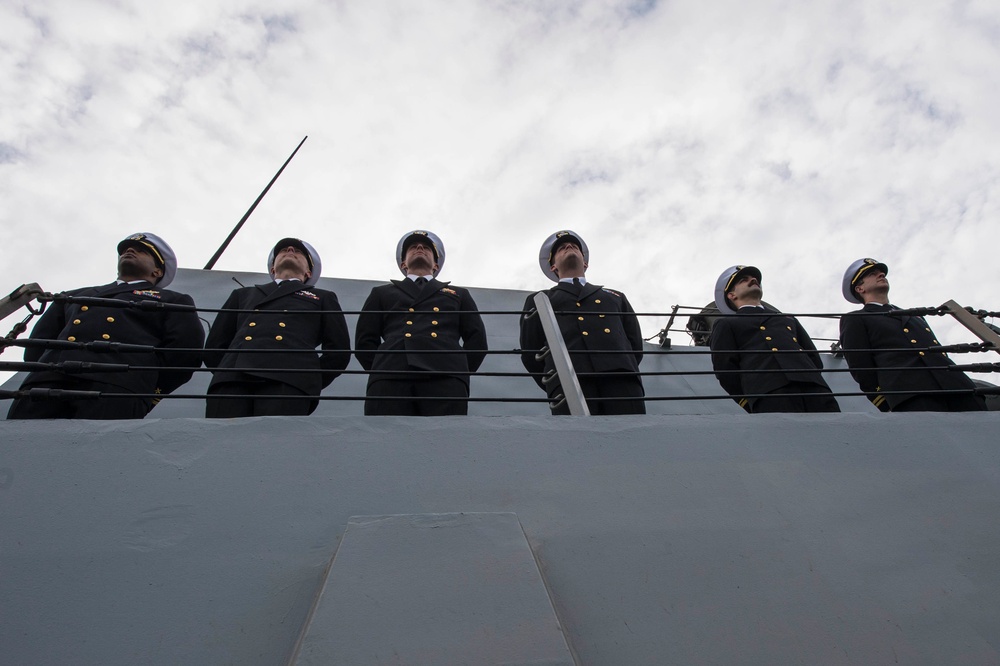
pixel 128 348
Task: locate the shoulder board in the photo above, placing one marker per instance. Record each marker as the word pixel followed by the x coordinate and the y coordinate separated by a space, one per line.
pixel 152 293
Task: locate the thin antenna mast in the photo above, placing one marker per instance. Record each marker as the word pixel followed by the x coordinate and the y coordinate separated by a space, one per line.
pixel 239 225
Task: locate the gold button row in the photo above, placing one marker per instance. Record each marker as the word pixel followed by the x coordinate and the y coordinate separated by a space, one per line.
pixel 111 320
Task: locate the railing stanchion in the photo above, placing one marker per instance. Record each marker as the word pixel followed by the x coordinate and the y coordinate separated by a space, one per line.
pixel 572 393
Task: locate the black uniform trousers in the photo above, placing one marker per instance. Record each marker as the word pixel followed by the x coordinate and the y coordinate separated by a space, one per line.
pixel 626 394
pixel 257 398
pixel 418 397
pixel 79 408
pixel 789 398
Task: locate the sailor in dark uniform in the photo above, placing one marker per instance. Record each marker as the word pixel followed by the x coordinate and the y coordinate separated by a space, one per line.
pixel 291 317
pixel 146 265
pixel 414 315
pixel 878 350
pixel 591 318
pixel 750 351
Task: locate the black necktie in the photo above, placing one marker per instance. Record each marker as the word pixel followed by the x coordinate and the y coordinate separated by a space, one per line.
pixel 577 287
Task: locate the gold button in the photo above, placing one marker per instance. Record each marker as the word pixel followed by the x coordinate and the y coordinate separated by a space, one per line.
pixel 281 324
pixel 921 353
pixel 434 335
pixel 580 318
pixel 437 309
pixel 928 330
pixel 795 339
pixel 76 321
pixel 789 327
pixel 607 330
pixel 767 337
pixel 774 349
pixel 585 333
pixel 277 337
pixel 936 342
pixel 253 323
pixel 408 335
pixel 106 336
pixel 597 300
pixel 601 316
pixel 411 309
pixel 84 308
pixel 111 320
pixel 409 323
pixel 906 330
pixel 577 305
pixel 763 328
pixel 434 323
pixel 913 341
pixel 71 339
pixel 249 337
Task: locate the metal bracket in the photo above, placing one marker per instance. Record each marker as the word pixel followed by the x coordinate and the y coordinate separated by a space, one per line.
pixel 560 357
pixel 974 324
pixel 19 297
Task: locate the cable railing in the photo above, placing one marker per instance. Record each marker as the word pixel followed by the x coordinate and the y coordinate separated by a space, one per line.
pixel 562 376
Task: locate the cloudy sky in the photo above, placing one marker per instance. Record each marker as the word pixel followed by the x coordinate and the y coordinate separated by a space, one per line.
pixel 678 137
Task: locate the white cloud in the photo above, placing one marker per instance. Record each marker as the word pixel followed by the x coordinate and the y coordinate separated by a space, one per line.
pixel 679 138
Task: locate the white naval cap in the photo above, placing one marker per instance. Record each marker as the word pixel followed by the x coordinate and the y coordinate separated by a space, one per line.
pixel 853 275
pixel 161 251
pixel 429 237
pixel 725 284
pixel 548 249
pixel 312 256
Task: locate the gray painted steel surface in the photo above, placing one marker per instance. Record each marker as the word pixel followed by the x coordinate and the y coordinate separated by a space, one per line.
pixel 451 588
pixel 773 539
